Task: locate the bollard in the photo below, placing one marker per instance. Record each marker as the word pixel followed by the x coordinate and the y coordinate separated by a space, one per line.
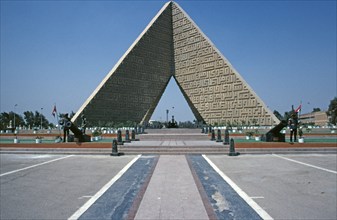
pixel 219 136
pixel 226 140
pixel 232 149
pixel 127 136
pixel 139 130
pixel 114 148
pixel 212 135
pixel 119 137
pixel 133 135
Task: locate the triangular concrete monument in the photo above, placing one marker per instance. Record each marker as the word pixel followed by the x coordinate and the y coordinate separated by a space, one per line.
pixel 172 45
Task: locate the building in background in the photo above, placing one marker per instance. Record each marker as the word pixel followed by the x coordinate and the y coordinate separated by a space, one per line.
pixel 315 118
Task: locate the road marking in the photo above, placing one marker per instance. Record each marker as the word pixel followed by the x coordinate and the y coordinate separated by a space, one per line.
pixel 262 213
pixel 93 199
pixel 36 165
pixel 257 197
pixel 84 197
pixel 306 164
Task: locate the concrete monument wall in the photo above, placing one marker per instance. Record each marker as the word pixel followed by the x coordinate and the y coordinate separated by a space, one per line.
pixel 173 45
pixel 133 88
pixel 210 83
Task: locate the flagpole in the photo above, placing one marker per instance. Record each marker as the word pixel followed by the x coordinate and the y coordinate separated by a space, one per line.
pixel 58 125
pixel 57 118
pixel 299 115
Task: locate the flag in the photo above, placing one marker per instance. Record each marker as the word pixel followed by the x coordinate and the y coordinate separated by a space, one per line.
pixel 299 108
pixel 54 111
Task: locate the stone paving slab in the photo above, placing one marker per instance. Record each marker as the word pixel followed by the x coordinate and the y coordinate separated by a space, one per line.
pixel 172 192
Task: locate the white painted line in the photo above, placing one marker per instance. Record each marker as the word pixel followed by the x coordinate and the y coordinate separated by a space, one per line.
pixel 261 212
pixel 257 197
pixel 93 199
pixel 306 164
pixel 36 165
pixel 84 197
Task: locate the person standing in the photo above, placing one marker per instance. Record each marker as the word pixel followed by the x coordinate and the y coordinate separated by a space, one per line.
pixel 293 124
pixel 65 127
pixel 84 124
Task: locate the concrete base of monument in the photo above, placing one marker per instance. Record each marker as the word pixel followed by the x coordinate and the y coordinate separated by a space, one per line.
pixel 162 147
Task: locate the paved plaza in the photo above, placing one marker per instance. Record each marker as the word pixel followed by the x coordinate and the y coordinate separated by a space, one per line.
pixel 291 186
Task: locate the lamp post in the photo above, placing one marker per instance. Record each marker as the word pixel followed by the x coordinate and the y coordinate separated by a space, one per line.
pixel 14 115
pixel 167 112
pixel 41 117
pixel 173 121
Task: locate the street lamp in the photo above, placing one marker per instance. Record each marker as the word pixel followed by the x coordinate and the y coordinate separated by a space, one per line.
pixel 167 112
pixel 41 117
pixel 14 115
pixel 172 110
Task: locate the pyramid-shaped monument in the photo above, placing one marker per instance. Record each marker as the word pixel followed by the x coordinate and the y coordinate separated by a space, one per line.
pixel 172 45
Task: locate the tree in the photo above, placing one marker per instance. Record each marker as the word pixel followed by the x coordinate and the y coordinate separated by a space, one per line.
pixel 18 119
pixel 43 123
pixel 316 110
pixel 332 111
pixel 7 119
pixel 33 120
pixel 29 118
pixel 4 120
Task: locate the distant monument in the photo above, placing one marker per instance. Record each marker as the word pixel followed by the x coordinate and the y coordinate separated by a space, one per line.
pixel 172 123
pixel 172 45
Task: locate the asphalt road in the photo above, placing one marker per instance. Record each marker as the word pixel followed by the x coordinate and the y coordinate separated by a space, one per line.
pixel 299 186
pixel 285 188
pixel 54 190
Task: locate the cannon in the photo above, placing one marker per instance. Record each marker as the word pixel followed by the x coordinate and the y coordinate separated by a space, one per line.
pixel 76 131
pixel 275 135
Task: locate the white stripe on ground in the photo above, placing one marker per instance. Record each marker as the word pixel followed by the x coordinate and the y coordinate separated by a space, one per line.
pixel 261 212
pixel 305 164
pixel 257 197
pixel 36 165
pixel 93 199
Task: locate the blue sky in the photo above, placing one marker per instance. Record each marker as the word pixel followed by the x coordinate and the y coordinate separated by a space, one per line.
pixel 59 51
